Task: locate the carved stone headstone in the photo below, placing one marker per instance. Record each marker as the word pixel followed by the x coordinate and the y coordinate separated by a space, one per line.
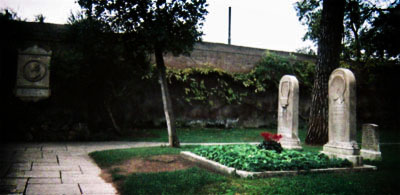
pixel 33 74
pixel 288 112
pixel 342 117
pixel 370 142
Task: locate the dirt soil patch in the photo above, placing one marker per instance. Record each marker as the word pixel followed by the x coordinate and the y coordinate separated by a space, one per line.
pixel 152 164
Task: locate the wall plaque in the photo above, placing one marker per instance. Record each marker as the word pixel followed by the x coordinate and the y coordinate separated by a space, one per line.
pixel 33 74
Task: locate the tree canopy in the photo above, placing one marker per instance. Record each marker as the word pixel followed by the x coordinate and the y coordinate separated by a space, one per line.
pixel 369 27
pixel 172 26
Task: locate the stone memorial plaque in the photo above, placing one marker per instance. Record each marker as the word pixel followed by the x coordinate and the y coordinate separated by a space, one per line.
pixel 370 142
pixel 33 74
pixel 342 117
pixel 288 112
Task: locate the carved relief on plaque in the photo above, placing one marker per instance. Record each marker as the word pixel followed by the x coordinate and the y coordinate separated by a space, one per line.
pixel 34 71
pixel 337 89
pixel 284 93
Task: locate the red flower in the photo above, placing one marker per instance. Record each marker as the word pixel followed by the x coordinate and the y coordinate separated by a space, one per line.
pixel 269 136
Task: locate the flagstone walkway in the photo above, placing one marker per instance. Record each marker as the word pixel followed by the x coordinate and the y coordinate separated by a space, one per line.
pixel 55 168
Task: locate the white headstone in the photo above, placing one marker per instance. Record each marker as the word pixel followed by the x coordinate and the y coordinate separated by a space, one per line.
pixel 288 112
pixel 342 117
pixel 370 142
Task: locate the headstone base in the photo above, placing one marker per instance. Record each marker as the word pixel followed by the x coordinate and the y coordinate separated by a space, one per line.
pixel 291 144
pixel 344 150
pixel 371 155
pixel 356 160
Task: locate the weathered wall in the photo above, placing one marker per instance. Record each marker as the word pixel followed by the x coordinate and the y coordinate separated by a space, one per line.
pixel 226 57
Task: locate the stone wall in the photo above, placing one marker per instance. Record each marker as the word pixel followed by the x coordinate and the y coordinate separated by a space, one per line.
pixel 226 57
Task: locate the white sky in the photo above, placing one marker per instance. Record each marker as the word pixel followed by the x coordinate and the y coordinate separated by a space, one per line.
pixel 268 24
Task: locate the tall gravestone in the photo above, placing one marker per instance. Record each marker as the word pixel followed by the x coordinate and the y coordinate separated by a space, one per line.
pixel 288 112
pixel 342 117
pixel 370 142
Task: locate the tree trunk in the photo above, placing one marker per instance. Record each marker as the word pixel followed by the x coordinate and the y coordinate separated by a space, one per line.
pixel 329 47
pixel 166 98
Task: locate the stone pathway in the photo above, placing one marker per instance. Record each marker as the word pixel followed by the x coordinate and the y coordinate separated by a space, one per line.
pixel 55 168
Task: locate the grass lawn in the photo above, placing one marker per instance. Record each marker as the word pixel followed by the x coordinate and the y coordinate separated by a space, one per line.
pixel 199 181
pixel 204 135
pixel 199 135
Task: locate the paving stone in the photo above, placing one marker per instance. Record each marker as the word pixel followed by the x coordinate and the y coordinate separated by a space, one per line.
pixel 12 185
pixel 21 166
pixel 25 154
pixel 45 160
pixel 54 148
pixel 16 174
pixel 35 149
pixel 44 174
pixel 5 181
pixel 49 155
pixel 83 179
pixel 69 189
pixel 44 164
pixel 97 189
pixel 76 162
pixel 90 169
pixel 55 168
pixel 44 181
pixel 70 173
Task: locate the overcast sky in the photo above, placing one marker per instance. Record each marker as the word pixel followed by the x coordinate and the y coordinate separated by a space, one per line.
pixel 268 24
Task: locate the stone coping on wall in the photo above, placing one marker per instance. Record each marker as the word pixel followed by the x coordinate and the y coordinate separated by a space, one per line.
pixel 247 174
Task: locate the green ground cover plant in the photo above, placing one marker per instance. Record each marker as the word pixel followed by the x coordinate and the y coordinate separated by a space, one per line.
pixel 250 158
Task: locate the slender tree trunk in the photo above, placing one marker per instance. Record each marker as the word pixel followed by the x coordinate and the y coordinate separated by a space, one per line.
pixel 329 47
pixel 166 98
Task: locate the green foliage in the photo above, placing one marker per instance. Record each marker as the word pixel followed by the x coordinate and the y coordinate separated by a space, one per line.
pixel 98 68
pixel 198 88
pixel 234 87
pixel 370 27
pixel 270 145
pixel 166 26
pixel 383 35
pixel 271 68
pixel 176 182
pixel 250 158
